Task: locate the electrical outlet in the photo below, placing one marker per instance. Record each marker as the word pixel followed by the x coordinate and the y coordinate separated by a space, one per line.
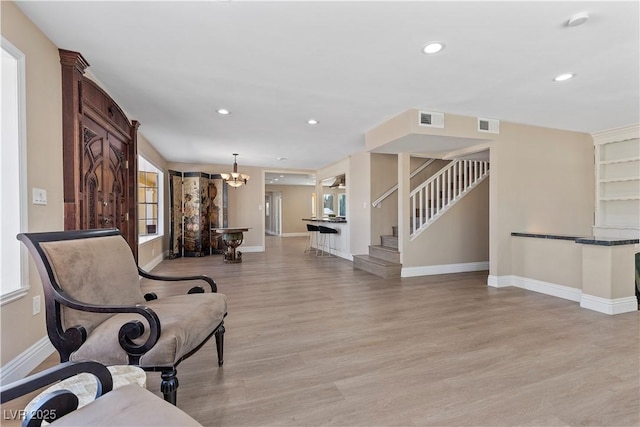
pixel 36 305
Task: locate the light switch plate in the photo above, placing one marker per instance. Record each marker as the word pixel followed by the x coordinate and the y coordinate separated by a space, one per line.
pixel 39 196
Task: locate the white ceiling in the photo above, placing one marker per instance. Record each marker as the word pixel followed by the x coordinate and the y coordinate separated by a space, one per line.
pixel 289 178
pixel 350 65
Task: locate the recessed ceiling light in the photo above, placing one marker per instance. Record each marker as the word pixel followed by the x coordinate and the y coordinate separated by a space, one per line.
pixel 223 111
pixel 312 122
pixel 433 47
pixel 564 77
pixel 282 158
pixel 578 19
pixel 281 176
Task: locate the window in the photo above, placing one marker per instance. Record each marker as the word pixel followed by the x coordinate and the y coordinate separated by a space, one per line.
pixel 13 193
pixel 313 205
pixel 150 191
pixel 342 204
pixel 327 207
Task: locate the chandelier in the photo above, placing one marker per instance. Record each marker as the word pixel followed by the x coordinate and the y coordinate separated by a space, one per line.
pixel 235 179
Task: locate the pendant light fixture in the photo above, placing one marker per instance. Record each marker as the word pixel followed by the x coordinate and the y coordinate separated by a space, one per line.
pixel 235 179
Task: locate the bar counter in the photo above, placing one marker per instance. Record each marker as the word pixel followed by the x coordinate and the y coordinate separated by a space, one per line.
pixel 340 241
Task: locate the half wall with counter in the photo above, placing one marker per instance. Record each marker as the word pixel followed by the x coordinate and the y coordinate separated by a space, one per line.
pixel 599 273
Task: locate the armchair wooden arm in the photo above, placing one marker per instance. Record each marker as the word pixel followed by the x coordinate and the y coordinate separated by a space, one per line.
pixel 209 280
pixel 128 332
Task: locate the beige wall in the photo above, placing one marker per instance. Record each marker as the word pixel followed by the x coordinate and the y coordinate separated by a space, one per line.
pixel 384 175
pixel 359 202
pixel 608 271
pixel 245 203
pixel 459 236
pixel 427 172
pixel 549 260
pixel 19 328
pixel 542 180
pixel 296 204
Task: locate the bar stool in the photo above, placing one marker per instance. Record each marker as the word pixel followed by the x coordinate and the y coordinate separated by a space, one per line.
pixel 313 237
pixel 326 233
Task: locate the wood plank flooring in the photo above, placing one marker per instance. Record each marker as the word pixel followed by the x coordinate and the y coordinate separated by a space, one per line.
pixel 311 341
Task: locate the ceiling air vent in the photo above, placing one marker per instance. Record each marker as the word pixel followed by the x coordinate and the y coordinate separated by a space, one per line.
pixel 488 125
pixel 430 119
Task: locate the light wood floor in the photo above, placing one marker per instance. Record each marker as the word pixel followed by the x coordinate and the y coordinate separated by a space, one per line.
pixel 311 341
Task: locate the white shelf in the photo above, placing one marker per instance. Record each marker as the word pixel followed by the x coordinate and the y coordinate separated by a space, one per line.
pixel 617 199
pixel 624 160
pixel 618 178
pixel 625 179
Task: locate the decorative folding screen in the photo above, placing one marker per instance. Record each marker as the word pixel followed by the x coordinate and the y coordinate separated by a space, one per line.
pixel 198 205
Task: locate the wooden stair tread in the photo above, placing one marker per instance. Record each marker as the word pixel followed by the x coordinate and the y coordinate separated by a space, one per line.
pixel 385 248
pixel 377 261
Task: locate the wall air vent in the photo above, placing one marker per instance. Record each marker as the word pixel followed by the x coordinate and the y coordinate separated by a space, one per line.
pixel 488 125
pixel 430 119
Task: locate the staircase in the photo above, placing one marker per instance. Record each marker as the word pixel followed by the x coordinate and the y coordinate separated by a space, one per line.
pixel 428 202
pixel 444 189
pixel 384 259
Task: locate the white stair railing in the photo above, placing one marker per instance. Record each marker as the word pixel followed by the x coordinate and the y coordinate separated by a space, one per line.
pixel 437 194
pixel 395 187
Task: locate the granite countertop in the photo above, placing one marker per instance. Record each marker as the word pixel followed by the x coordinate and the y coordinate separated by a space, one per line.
pixel 585 240
pixel 547 236
pixel 607 241
pixel 332 220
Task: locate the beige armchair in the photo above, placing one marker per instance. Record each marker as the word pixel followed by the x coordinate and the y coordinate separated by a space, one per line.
pixel 95 308
pixel 130 405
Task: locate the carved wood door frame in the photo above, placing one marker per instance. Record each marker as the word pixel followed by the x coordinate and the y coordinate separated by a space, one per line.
pixel 99 156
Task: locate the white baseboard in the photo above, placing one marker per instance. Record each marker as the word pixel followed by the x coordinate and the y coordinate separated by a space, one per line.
pixel 343 255
pixel 499 281
pixel 251 248
pixel 27 361
pixel 430 270
pixel 547 288
pixel 305 234
pixel 609 306
pixel 602 305
pixel 154 262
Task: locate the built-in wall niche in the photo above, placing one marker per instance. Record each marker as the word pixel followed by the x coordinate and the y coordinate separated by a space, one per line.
pixel 617 156
pixel 334 197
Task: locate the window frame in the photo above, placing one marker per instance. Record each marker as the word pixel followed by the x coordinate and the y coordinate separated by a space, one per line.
pixel 23 286
pixel 144 165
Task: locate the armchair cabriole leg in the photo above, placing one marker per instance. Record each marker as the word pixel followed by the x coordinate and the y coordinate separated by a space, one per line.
pixel 220 344
pixel 169 386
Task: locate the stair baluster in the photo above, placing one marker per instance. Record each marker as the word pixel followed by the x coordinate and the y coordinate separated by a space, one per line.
pixel 442 190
